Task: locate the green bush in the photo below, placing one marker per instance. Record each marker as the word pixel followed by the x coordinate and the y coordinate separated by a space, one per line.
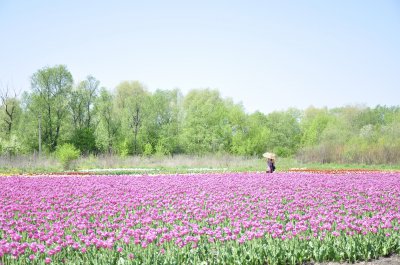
pixel 10 147
pixel 85 140
pixel 148 149
pixel 125 148
pixel 161 150
pixel 67 153
pixel 282 151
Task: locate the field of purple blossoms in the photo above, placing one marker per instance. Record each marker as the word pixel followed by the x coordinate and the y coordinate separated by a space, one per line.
pixel 231 218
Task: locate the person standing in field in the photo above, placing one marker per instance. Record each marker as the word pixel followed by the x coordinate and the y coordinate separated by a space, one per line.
pixel 270 165
pixel 270 162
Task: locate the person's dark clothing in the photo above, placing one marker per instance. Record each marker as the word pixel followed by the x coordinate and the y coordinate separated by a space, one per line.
pixel 270 166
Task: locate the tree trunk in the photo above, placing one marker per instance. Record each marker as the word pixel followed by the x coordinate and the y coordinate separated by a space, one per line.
pixel 40 135
pixel 136 123
pixel 50 127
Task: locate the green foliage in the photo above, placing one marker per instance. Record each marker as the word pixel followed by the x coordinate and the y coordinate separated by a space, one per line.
pixel 205 123
pixel 281 151
pixel 81 102
pixel 51 90
pixel 130 119
pixel 10 114
pixel 132 101
pixel 84 139
pixel 66 154
pixel 285 132
pixel 163 121
pixel 10 147
pixel 108 124
pixel 161 149
pixel 313 124
pixel 252 137
pixel 148 149
pixel 125 147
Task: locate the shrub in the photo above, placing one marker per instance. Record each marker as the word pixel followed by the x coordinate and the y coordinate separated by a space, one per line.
pixel 67 153
pixel 125 148
pixel 148 149
pixel 10 147
pixel 85 140
pixel 282 151
pixel 161 150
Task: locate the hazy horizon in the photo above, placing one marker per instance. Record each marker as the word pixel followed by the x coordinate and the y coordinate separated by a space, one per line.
pixel 270 56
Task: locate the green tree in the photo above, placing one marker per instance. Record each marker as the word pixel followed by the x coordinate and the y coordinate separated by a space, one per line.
pixel 11 146
pixel 67 153
pixel 162 126
pixel 107 122
pixel 82 109
pixel 251 136
pixel 312 124
pixel 132 102
pixel 51 88
pixel 205 120
pixel 285 135
pixel 10 113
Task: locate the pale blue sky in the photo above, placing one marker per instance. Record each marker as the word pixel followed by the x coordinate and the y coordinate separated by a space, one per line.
pixel 269 55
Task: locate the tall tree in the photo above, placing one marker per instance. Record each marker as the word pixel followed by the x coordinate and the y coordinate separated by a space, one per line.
pixel 251 137
pixel 10 111
pixel 91 86
pixel 285 132
pixel 107 125
pixel 132 100
pixel 205 120
pixel 313 123
pixel 82 111
pixel 51 88
pixel 161 127
pixel 82 102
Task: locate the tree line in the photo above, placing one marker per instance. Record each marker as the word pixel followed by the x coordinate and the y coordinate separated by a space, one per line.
pixel 131 120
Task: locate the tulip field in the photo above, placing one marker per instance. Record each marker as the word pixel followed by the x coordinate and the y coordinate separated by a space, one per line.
pixel 227 218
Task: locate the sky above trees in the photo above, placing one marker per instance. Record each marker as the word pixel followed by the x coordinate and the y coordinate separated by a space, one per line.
pixel 269 55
